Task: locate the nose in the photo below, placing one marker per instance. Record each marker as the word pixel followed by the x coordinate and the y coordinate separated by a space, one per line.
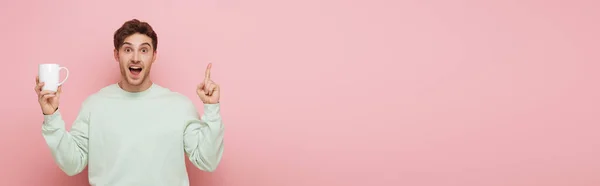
pixel 135 58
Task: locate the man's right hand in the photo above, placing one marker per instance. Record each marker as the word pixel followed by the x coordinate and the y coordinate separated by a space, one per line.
pixel 48 99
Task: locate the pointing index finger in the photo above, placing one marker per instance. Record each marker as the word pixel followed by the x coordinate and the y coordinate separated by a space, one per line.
pixel 207 73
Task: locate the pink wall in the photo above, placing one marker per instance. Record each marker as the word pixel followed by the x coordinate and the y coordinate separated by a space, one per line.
pixel 420 93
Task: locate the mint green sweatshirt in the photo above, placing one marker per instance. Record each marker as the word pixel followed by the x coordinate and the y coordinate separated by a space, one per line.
pixel 138 138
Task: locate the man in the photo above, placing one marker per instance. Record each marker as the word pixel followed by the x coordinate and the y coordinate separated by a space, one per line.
pixel 135 132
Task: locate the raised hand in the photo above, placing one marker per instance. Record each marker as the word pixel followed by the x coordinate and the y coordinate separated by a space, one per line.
pixel 48 99
pixel 208 91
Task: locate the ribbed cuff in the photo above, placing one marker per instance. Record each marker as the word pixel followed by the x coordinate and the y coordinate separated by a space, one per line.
pixel 50 118
pixel 212 112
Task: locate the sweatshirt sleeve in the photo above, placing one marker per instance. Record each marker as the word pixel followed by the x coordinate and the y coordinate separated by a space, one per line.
pixel 203 137
pixel 69 149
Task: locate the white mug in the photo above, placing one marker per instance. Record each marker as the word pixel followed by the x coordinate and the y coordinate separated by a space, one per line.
pixel 50 75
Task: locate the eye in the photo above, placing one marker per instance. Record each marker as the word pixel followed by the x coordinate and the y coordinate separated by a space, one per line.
pixel 127 50
pixel 144 50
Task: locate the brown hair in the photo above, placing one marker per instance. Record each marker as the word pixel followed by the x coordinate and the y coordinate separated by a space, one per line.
pixel 131 27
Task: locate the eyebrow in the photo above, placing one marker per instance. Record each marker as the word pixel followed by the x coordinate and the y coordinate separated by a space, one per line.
pixel 128 43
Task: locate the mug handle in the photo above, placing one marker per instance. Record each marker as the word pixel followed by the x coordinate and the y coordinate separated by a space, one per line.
pixel 66 77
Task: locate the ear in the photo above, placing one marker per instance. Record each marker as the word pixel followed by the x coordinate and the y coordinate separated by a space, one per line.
pixel 116 55
pixel 154 56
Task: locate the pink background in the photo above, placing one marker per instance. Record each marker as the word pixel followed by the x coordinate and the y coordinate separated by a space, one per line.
pixel 333 92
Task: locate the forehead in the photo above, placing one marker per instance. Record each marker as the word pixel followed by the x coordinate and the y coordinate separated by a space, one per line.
pixel 137 40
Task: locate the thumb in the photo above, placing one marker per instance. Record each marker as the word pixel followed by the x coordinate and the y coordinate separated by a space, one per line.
pixel 58 91
pixel 200 91
pixel 202 95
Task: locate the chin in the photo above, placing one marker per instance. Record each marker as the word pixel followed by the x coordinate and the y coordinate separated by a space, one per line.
pixel 135 82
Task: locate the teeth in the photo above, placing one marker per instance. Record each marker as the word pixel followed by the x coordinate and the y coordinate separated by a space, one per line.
pixel 135 67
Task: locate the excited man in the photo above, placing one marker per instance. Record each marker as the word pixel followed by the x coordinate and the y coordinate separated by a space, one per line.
pixel 135 132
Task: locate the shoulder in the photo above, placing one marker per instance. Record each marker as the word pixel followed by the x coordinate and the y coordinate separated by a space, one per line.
pixel 173 96
pixel 96 97
pixel 179 102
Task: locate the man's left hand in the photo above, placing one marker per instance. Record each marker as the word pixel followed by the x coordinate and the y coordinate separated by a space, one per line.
pixel 208 91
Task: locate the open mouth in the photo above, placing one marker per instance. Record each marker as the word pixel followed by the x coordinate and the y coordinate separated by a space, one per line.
pixel 135 70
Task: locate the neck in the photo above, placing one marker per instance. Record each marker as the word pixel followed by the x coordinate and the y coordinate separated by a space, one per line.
pixel 135 88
